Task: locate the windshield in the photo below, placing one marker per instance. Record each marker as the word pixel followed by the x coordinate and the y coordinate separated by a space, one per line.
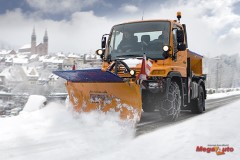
pixel 134 39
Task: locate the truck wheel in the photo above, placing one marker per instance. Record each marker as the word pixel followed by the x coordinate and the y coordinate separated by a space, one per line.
pixel 148 100
pixel 198 104
pixel 171 103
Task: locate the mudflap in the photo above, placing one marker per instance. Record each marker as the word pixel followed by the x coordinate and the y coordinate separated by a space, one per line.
pixel 97 90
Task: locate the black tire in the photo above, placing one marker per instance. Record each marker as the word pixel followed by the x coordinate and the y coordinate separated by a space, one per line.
pixel 148 101
pixel 171 104
pixel 198 104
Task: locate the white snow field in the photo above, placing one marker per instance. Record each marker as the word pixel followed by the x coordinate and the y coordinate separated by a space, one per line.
pixel 221 95
pixel 55 132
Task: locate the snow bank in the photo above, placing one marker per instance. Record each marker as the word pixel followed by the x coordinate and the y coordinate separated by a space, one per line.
pixel 180 141
pixel 221 95
pixel 35 102
pixel 56 133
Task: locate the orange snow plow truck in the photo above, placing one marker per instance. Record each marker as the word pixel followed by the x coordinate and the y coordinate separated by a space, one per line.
pixel 146 66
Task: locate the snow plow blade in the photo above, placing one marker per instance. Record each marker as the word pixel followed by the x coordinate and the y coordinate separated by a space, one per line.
pixel 94 89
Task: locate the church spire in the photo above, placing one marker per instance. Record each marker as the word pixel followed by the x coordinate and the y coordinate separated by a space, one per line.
pixel 33 42
pixel 33 32
pixel 34 35
pixel 45 38
pixel 45 32
pixel 45 42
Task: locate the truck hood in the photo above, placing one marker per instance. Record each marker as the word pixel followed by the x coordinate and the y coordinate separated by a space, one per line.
pixel 132 62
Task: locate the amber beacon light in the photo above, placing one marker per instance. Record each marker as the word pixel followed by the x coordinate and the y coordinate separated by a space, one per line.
pixel 179 15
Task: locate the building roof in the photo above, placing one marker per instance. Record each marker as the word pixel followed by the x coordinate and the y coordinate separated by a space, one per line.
pixel 30 71
pixel 48 60
pixel 60 54
pixel 40 44
pixel 57 61
pixel 22 55
pixel 26 46
pixel 72 55
pixel 12 74
pixel 34 56
pixel 20 60
pixel 4 52
pixel 92 57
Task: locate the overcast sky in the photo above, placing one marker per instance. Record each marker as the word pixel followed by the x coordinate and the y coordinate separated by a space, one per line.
pixel 77 25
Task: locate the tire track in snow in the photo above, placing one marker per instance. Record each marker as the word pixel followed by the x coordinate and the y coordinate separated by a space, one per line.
pixel 152 121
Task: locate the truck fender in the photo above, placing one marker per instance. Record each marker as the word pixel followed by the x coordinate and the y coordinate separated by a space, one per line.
pixel 174 74
pixel 202 83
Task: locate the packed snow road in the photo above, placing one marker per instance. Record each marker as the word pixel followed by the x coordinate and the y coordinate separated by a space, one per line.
pixel 152 121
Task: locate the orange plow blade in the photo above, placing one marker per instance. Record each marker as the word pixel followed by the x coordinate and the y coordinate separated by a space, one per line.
pixel 87 91
pixel 120 97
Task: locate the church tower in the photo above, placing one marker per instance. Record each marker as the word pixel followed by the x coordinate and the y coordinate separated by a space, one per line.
pixel 33 42
pixel 45 42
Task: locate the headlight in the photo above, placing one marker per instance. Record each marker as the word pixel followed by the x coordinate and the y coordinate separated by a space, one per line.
pixel 165 48
pixel 99 52
pixel 132 72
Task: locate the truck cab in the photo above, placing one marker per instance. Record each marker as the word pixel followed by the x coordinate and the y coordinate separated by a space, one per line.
pixel 175 81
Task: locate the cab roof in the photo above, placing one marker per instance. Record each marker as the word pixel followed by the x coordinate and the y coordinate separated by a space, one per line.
pixel 150 20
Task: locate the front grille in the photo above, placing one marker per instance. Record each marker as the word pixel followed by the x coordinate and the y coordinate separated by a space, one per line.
pixel 122 72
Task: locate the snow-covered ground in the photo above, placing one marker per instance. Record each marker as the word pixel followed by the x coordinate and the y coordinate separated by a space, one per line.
pixel 221 95
pixel 35 102
pixel 55 132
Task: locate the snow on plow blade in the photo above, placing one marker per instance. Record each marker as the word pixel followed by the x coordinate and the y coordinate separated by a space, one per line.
pixel 94 89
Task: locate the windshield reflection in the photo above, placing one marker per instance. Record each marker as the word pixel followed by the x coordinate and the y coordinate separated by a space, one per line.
pixel 134 39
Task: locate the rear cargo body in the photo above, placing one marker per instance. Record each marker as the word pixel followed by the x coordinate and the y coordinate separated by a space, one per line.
pixel 196 63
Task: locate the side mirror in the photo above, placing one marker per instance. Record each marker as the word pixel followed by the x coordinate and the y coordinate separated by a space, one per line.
pixel 104 39
pixel 180 39
pixel 181 47
pixel 180 36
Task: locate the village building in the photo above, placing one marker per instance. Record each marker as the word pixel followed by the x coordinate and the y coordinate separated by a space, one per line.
pixel 34 48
